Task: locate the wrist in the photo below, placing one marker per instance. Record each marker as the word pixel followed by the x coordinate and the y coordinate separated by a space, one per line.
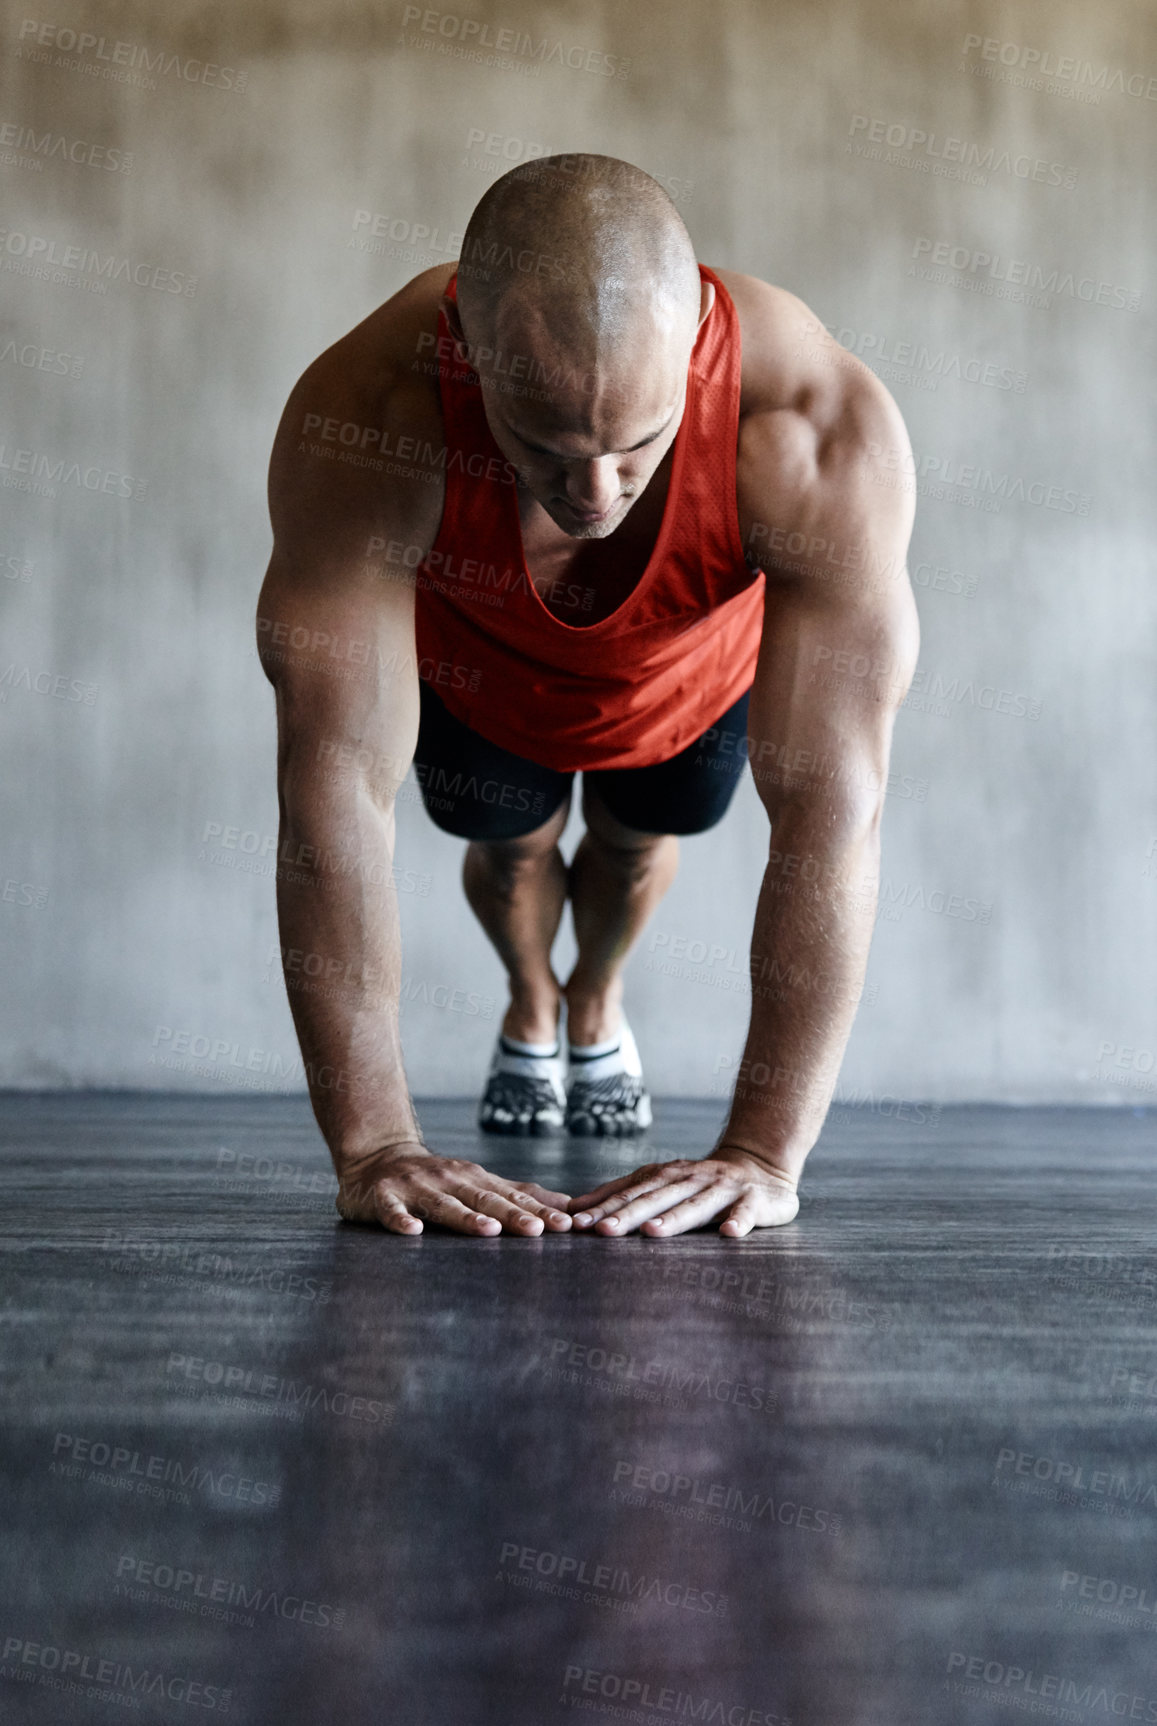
pixel 780 1166
pixel 351 1159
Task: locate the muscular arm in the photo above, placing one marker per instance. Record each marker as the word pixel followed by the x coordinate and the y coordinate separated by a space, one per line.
pixel 347 723
pixel 837 653
pixel 335 633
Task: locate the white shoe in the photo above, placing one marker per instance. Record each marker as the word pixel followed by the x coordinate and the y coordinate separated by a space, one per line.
pixel 524 1094
pixel 605 1093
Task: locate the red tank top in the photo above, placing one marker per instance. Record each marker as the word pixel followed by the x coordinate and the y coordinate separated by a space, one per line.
pixel 642 684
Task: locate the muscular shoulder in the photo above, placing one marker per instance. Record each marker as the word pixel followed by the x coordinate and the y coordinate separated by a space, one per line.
pixel 335 473
pixel 816 425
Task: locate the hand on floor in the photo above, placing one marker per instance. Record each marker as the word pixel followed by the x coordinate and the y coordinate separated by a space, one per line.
pixel 406 1186
pixel 669 1198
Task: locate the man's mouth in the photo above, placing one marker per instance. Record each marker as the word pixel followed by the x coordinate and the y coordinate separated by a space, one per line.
pixel 586 515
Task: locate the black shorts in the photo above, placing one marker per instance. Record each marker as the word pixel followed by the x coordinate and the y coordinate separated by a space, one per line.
pixel 477 790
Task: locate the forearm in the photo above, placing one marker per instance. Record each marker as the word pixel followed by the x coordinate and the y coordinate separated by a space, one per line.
pixel 813 929
pixel 342 958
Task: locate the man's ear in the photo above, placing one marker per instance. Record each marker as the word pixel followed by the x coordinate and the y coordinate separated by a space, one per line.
pixel 706 301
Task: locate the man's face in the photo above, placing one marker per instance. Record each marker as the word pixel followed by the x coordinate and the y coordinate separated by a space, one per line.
pixel 584 436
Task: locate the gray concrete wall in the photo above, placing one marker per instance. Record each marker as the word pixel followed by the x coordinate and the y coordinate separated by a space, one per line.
pixel 1014 955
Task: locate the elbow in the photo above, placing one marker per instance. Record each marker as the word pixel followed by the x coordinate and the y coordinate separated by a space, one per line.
pixel 840 818
pixel 321 799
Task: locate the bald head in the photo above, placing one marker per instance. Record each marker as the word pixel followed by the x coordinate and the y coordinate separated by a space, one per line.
pixel 586 247
pixel 580 268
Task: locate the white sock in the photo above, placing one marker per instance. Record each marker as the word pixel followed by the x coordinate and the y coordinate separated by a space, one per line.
pixel 528 1060
pixel 544 1050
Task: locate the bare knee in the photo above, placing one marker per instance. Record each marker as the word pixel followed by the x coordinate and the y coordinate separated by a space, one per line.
pixel 628 851
pixel 507 863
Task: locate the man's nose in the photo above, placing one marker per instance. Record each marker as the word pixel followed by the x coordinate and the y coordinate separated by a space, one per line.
pixel 593 486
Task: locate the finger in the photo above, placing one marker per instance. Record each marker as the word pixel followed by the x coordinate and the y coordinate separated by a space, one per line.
pixel 444 1208
pixel 393 1215
pixel 534 1201
pixel 636 1189
pixel 693 1212
pixel 553 1208
pixel 616 1186
pixel 516 1211
pixel 629 1213
pixel 756 1209
pixel 544 1194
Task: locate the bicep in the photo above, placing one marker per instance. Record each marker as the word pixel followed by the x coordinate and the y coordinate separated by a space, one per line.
pixel 839 643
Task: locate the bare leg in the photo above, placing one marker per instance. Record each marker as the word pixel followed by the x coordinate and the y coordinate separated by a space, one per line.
pixel 517 889
pixel 617 877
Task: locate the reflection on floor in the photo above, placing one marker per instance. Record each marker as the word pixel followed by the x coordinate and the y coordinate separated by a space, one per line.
pixel 892 1464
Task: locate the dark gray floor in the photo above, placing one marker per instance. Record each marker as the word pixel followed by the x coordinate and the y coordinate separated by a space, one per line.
pixel 892 1464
